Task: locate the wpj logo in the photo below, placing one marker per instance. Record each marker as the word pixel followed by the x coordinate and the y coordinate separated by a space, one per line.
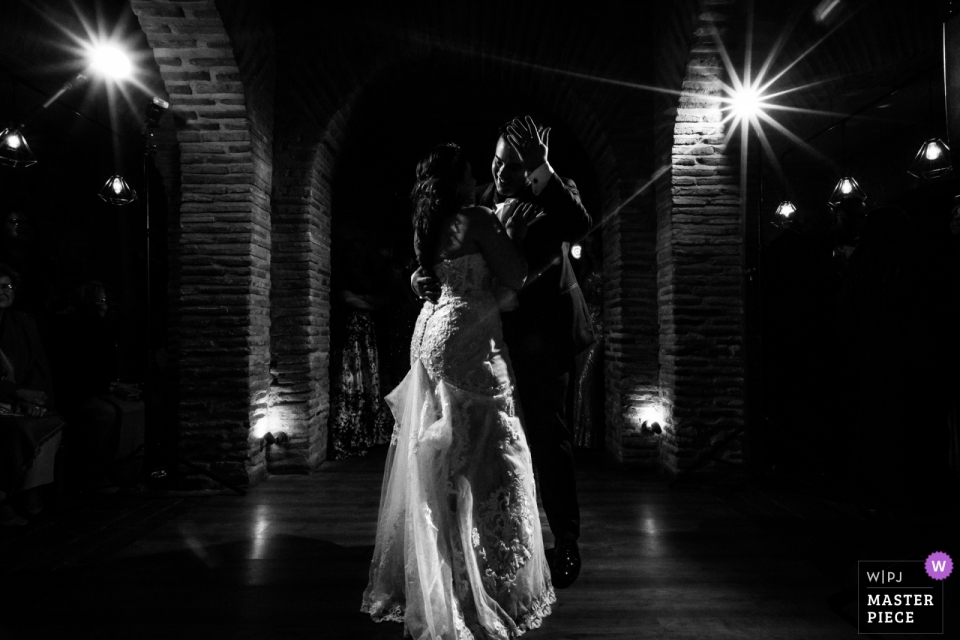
pixel 939 563
pixel 899 597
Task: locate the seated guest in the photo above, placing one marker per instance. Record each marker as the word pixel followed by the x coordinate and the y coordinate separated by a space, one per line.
pixel 86 367
pixel 26 420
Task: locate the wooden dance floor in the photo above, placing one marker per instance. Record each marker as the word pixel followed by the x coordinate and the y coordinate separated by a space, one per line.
pixel 289 560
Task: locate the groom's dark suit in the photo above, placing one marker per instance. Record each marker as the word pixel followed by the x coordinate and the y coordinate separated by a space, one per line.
pixel 543 335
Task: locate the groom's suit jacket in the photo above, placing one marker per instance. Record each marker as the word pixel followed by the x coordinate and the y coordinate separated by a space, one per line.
pixel 551 303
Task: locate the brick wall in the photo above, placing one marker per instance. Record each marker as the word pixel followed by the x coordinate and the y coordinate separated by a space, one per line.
pixel 699 248
pixel 630 306
pixel 300 298
pixel 316 95
pixel 222 280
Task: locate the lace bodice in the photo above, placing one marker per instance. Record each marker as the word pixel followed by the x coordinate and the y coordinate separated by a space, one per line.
pixel 465 276
pixel 459 339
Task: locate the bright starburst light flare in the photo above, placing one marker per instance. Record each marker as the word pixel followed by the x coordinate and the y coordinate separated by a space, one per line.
pixel 749 98
pixel 108 60
pixel 101 44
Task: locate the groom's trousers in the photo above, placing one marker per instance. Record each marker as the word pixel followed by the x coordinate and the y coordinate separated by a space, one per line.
pixel 544 376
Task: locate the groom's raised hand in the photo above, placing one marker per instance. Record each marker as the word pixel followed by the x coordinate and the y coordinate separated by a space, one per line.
pixel 529 141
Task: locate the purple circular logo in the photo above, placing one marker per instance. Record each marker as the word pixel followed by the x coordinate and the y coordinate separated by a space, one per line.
pixel 938 565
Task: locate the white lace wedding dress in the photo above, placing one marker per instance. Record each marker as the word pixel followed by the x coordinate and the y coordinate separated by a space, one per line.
pixel 459 553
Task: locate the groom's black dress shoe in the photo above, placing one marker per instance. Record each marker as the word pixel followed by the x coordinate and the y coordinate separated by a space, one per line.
pixel 566 563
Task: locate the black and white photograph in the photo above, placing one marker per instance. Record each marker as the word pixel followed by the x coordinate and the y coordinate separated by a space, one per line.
pixel 448 320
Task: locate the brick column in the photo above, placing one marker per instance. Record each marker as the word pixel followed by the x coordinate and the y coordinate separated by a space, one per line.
pixel 699 265
pixel 300 299
pixel 308 138
pixel 630 320
pixel 222 276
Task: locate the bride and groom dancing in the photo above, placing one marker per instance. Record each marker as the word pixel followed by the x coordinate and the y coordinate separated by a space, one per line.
pixel 459 551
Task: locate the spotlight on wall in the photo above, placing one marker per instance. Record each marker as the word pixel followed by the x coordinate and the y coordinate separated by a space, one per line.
pixel 932 160
pixel 576 251
pixel 14 150
pixel 268 439
pixel 117 192
pixel 846 189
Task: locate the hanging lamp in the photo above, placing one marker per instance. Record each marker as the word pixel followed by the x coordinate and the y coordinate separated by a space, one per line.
pixel 786 213
pixel 14 150
pixel 933 159
pixel 847 188
pixel 117 192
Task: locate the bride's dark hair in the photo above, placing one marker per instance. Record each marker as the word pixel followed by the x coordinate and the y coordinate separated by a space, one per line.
pixel 435 196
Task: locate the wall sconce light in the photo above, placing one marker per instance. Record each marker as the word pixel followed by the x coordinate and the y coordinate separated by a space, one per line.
pixel 576 251
pixel 268 439
pixel 846 189
pixel 932 160
pixel 14 150
pixel 116 191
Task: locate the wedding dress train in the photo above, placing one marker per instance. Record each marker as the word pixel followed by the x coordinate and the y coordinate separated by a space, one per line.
pixel 459 552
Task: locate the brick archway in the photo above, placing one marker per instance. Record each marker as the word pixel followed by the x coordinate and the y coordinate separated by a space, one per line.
pixel 307 143
pixel 255 211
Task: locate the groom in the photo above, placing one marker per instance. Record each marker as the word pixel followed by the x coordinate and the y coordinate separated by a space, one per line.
pixel 547 323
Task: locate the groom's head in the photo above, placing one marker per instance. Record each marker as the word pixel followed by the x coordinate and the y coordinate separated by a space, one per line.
pixel 509 175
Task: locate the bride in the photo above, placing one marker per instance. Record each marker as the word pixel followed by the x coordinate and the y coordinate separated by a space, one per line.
pixel 459 552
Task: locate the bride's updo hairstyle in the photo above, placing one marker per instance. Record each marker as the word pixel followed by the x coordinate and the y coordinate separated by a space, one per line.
pixel 435 196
